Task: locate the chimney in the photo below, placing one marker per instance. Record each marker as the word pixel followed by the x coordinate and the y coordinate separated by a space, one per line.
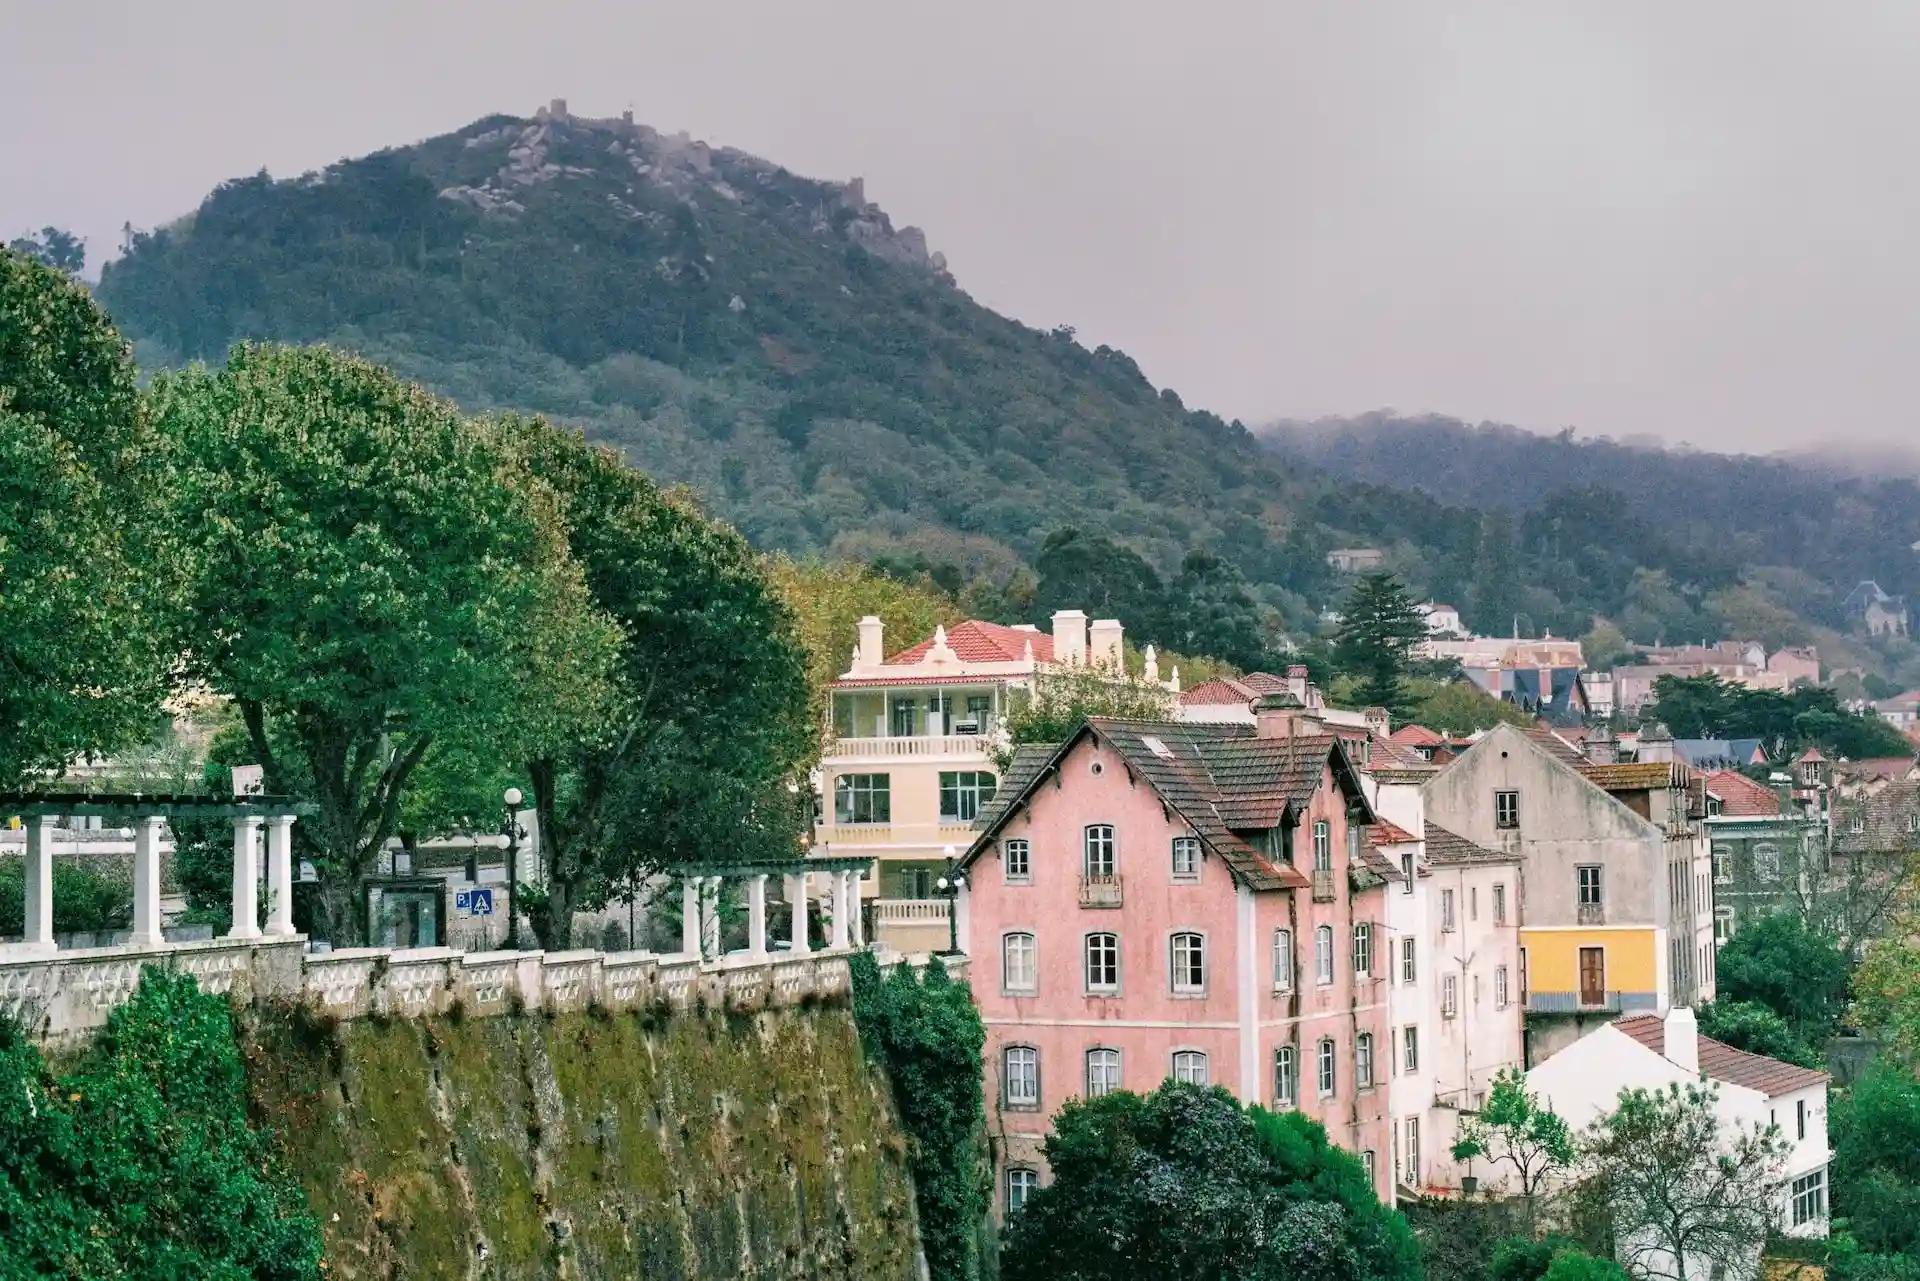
pixel 1379 721
pixel 1656 744
pixel 1601 749
pixel 872 637
pixel 1297 683
pixel 1069 636
pixel 1151 671
pixel 940 651
pixel 1104 643
pixel 1281 716
pixel 1683 1040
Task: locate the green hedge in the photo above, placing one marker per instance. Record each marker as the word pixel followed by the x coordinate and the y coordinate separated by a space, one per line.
pixel 86 899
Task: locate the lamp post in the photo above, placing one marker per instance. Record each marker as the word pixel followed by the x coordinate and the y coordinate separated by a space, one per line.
pixel 951 882
pixel 510 828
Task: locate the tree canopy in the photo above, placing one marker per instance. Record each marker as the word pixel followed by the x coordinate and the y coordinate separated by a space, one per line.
pixel 1706 706
pixel 1780 963
pixel 1379 626
pixel 1750 1026
pixel 1514 1128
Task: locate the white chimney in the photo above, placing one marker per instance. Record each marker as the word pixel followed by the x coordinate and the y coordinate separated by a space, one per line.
pixel 1069 636
pixel 1104 642
pixel 1297 682
pixel 872 638
pixel 940 651
pixel 1683 1040
pixel 1152 671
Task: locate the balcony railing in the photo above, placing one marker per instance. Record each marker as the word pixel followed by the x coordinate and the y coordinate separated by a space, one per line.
pixel 1591 914
pixel 935 836
pixel 1590 1002
pixel 910 911
pixel 921 746
pixel 1100 891
pixel 1322 886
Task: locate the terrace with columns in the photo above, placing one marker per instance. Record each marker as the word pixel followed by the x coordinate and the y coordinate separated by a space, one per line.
pixel 63 993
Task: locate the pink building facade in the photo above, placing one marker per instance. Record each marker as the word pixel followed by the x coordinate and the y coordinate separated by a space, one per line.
pixel 1189 901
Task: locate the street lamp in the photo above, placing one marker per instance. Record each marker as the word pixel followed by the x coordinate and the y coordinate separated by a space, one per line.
pixel 951 882
pixel 510 828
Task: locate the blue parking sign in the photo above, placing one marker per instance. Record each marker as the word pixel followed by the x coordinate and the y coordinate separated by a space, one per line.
pixel 473 902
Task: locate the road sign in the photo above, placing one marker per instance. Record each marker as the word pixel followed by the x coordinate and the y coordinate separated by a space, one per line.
pixel 473 902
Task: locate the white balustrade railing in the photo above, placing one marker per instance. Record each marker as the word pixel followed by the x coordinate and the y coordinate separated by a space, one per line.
pixel 910 911
pixel 957 746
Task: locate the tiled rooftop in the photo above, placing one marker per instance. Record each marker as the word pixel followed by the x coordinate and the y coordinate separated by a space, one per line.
pixel 1721 1062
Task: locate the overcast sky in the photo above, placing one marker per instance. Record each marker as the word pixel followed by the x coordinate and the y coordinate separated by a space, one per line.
pixel 1695 220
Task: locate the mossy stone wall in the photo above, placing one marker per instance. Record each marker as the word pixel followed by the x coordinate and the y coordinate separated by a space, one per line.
pixel 670 1147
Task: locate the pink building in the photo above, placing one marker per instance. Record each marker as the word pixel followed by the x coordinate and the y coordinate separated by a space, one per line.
pixel 1153 900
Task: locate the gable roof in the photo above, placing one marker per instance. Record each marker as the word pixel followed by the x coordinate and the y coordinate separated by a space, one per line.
pixel 1878 767
pixel 1416 736
pixel 1556 746
pixel 1221 779
pixel 975 641
pixel 1219 692
pixel 1445 849
pixel 1740 796
pixel 1721 1062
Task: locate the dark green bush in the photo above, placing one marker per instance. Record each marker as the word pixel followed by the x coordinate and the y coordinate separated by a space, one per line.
pixel 86 898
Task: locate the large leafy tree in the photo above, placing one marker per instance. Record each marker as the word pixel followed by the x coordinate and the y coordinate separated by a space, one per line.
pixel 1707 707
pixel 1516 1129
pixel 1750 1026
pixel 88 581
pixel 1798 973
pixel 377 576
pixel 696 753
pixel 1185 1183
pixel 1209 611
pixel 1379 627
pixel 53 247
pixel 1875 1130
pixel 1091 572
pixel 1687 1193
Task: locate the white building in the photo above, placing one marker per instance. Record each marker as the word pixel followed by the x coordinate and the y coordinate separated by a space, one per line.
pixel 1444 620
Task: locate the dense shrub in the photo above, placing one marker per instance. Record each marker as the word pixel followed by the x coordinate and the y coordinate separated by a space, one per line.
pixel 86 898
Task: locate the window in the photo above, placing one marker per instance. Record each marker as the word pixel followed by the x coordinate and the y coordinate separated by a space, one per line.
pixel 1590 885
pixel 1449 996
pixel 1715 806
pixel 1323 955
pixel 1186 858
pixel 1413 1151
pixel 1409 1049
pixel 1499 905
pixel 1363 950
pixel 1446 911
pixel 1766 862
pixel 1800 1117
pixel 1282 960
pixel 1326 1067
pixel 904 710
pixel 1020 1076
pixel 1285 1076
pixel 862 798
pixel 1103 962
pixel 1190 1067
pixel 1722 924
pixel 1500 988
pixel 1473 903
pixel 1103 1072
pixel 1366 1163
pixel 1189 953
pixel 1506 809
pixel 1722 865
pixel 1099 856
pixel 1407 872
pixel 962 794
pixel 1016 859
pixel 1322 846
pixel 1409 972
pixel 1810 1198
pixel 1363 1061
pixel 1018 972
pixel 1593 976
pixel 1857 824
pixel 1021 1183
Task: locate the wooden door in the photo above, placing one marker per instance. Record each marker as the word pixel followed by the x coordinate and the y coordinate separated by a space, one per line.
pixel 1593 976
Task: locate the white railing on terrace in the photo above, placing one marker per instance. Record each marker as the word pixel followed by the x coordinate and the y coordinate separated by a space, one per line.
pixel 910 911
pixel 942 834
pixel 924 745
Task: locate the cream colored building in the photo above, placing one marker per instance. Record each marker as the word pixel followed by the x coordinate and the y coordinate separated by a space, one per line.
pixel 909 763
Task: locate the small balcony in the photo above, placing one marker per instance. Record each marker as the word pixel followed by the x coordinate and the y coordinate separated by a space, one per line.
pixel 910 911
pixel 927 747
pixel 1100 891
pixel 1322 886
pixel 1591 914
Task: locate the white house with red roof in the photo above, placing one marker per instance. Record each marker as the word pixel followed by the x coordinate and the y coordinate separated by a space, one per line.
pixel 909 764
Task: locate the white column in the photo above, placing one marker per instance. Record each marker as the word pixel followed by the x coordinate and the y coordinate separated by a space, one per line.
pixel 710 919
pixel 280 876
pixel 858 920
pixel 39 883
pixel 246 883
pixel 797 897
pixel 757 915
pixel 839 942
pixel 146 882
pixel 1249 1008
pixel 690 915
pixel 962 909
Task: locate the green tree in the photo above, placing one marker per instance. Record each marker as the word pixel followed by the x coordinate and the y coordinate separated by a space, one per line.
pixel 87 899
pixel 1062 697
pixel 55 248
pixel 710 722
pixel 1605 646
pixel 1093 573
pixel 1687 1193
pixel 140 1161
pixel 1460 707
pixel 376 575
pixel 89 587
pixel 1749 1026
pixel 1578 1265
pixel 1780 963
pixel 1515 1128
pixel 1209 611
pixel 1494 600
pixel 1185 1183
pixel 1379 627
pixel 1874 1126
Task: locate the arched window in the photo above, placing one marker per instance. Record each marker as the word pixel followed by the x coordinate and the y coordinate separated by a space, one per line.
pixel 1103 963
pixel 1021 1184
pixel 1103 1072
pixel 1020 1077
pixel 1190 1067
pixel 1766 862
pixel 1323 955
pixel 1018 970
pixel 1189 955
pixel 1326 1067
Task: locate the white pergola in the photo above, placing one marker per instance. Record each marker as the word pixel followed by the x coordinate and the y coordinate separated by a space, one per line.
pixel 700 885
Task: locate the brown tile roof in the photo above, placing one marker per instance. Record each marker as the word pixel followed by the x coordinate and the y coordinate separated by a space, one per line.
pixel 1641 776
pixel 1877 767
pixel 1721 1062
pixel 978 642
pixel 1416 736
pixel 1222 779
pixel 1740 796
pixel 1554 744
pixel 1445 849
pixel 1381 832
pixel 1889 820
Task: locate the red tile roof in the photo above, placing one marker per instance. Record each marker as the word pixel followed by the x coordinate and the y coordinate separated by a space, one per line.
pixel 1740 796
pixel 1878 767
pixel 1721 1062
pixel 977 642
pixel 1812 754
pixel 1416 736
pixel 1383 832
pixel 1217 693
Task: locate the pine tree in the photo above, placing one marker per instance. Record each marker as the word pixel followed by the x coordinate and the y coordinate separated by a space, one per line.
pixel 1379 626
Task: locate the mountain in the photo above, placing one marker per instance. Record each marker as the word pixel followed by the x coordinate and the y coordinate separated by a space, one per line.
pixel 773 341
